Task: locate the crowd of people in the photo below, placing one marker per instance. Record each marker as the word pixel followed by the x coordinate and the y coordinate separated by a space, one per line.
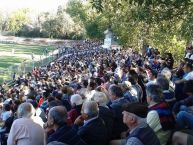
pixel 95 96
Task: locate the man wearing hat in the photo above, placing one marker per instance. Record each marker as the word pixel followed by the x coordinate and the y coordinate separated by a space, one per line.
pixel 140 133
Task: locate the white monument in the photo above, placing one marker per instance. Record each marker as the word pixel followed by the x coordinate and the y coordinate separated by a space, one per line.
pixel 109 42
pixel 108 38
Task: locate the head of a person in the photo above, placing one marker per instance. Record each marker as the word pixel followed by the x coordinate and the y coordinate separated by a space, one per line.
pixel 57 117
pixel 115 92
pixel 76 100
pixel 188 88
pixel 152 75
pixel 33 102
pixel 188 67
pixel 154 93
pixel 58 96
pixel 46 94
pixel 89 110
pixel 85 83
pixel 92 85
pixel 100 98
pixel 133 77
pixel 163 82
pixel 15 105
pixel 25 110
pixel 180 73
pixel 7 107
pixel 125 86
pixel 167 73
pixel 134 114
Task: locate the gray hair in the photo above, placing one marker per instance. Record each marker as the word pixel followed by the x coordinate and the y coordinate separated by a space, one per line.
pixel 100 98
pixel 25 110
pixel 59 115
pixel 115 90
pixel 154 92
pixel 90 108
pixel 56 143
pixel 167 73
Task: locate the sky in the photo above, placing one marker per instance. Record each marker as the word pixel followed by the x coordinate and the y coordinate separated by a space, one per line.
pixel 37 5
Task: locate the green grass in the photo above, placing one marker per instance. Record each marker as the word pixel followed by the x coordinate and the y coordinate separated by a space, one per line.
pixel 11 62
pixel 24 49
pixel 7 61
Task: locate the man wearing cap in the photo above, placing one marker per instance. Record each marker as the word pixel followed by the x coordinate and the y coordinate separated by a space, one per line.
pixel 140 133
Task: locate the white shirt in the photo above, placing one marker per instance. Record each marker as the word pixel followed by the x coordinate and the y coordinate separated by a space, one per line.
pixel 189 76
pixel 25 131
pixel 153 121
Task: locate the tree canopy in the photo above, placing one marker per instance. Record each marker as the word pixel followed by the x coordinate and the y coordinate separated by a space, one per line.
pixel 163 24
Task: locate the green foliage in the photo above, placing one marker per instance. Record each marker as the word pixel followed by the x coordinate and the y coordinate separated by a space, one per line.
pixel 93 23
pixel 164 24
pixel 17 20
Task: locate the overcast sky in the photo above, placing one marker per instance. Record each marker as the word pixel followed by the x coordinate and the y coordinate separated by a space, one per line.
pixel 37 5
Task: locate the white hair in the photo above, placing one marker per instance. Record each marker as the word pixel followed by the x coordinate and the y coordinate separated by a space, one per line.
pixel 76 99
pixel 167 73
pixel 100 98
pixel 25 110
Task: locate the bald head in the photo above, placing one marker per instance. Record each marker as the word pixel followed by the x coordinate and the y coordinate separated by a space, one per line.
pixel 90 108
pixel 59 115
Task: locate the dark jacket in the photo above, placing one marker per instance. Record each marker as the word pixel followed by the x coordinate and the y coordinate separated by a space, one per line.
pixel 118 126
pixel 93 132
pixel 146 135
pixel 67 135
pixel 107 115
pixel 74 113
pixel 186 102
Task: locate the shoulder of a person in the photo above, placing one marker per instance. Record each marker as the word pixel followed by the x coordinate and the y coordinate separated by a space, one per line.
pixel 134 141
pixel 152 113
pixel 19 122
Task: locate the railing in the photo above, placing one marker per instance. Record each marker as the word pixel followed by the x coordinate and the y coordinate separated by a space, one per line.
pixel 7 75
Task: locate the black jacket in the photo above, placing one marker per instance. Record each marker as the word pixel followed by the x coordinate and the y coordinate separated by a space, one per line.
pixel 107 115
pixel 118 126
pixel 94 132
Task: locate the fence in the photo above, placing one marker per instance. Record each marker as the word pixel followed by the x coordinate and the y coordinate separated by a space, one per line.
pixel 24 67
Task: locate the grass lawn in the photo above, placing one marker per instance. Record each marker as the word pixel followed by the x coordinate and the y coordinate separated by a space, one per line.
pixel 24 49
pixel 7 62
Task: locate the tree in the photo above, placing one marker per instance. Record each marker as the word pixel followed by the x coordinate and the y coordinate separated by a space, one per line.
pixel 165 24
pixel 17 20
pixel 93 23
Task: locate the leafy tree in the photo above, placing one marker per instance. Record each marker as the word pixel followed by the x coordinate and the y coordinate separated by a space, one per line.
pixel 17 20
pixel 83 15
pixel 165 24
